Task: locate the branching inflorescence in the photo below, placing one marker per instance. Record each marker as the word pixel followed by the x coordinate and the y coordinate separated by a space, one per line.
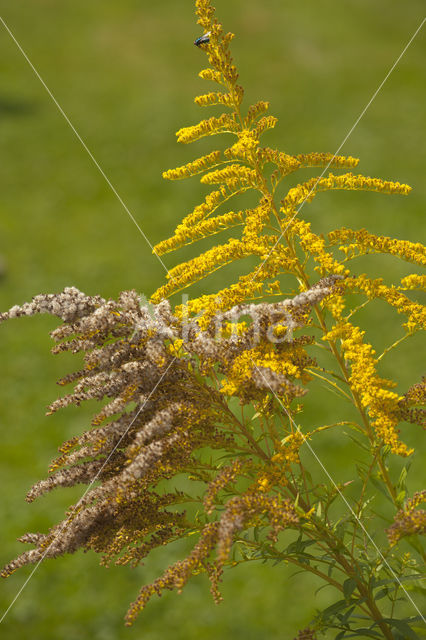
pixel 170 377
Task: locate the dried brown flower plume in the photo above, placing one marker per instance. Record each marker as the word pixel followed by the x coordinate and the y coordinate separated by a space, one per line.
pixel 156 420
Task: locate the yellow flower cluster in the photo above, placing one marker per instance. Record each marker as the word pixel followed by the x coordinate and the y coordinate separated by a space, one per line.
pixel 316 159
pixel 287 453
pixel 374 288
pixel 372 390
pixel 208 127
pixel 211 74
pixel 336 305
pixel 193 270
pixel 207 228
pixel 249 287
pixel 227 99
pixel 243 149
pixel 188 228
pixel 359 242
pixel 362 183
pixel 285 163
pixel 413 281
pixel 217 49
pixel 255 111
pixel 314 245
pixel 348 181
pixel 288 448
pixel 275 257
pixel 193 168
pixel 275 475
pixel 256 239
pixel 233 176
pixel 219 55
pixel 252 243
pixel 233 328
pixel 176 348
pixel 290 362
pixel 265 123
pixel 304 192
pixel 256 219
pixel 205 13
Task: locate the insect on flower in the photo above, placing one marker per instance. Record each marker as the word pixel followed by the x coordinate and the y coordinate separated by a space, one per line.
pixel 204 39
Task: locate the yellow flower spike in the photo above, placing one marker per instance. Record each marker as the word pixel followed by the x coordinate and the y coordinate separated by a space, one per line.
pixel 247 288
pixel 189 272
pixel 374 288
pixel 208 127
pixel 234 328
pixel 188 228
pixel 175 348
pixel 239 173
pixel 240 371
pixel 348 181
pixel 205 13
pixel 265 123
pixel 314 245
pixel 255 111
pixel 315 159
pixel 211 74
pixel 381 404
pixel 413 281
pixel 206 228
pixel 213 98
pixel 195 167
pixel 360 242
pixel 248 141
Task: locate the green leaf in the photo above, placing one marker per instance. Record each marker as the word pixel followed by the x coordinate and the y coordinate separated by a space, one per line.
pixel 298 546
pixel 361 472
pixel 402 485
pixel 363 631
pixel 243 553
pixel 400 497
pixel 358 442
pixel 308 476
pixel 323 586
pixel 402 627
pixel 331 567
pixel 349 586
pixel 341 528
pixel 402 477
pixel 379 486
pixel 334 608
pixel 381 594
pixel 345 617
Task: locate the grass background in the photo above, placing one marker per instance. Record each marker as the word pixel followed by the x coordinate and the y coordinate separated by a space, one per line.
pixel 126 73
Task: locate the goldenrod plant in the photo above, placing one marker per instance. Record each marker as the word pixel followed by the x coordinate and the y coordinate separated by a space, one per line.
pixel 213 389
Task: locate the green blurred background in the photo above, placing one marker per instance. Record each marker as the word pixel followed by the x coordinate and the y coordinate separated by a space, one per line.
pixel 126 74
